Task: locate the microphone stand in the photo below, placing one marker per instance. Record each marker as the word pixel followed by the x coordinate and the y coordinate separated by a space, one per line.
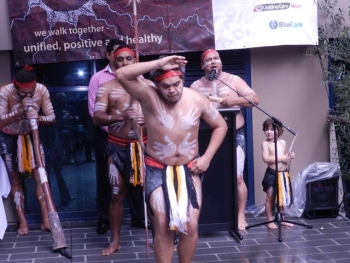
pixel 278 217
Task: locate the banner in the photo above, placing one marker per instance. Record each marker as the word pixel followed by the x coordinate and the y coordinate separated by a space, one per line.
pixel 51 31
pixel 255 23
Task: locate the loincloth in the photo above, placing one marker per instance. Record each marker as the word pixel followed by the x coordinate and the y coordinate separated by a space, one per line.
pixel 178 187
pixel 127 157
pixel 19 148
pixel 285 193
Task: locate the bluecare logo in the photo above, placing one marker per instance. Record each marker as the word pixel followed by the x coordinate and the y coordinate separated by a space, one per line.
pixel 275 24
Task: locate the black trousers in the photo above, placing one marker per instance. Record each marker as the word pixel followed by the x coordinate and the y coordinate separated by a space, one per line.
pixel 103 193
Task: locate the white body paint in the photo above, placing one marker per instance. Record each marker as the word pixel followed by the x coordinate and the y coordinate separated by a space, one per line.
pixel 186 148
pixel 17 201
pixel 165 150
pixel 117 126
pixel 42 175
pixel 212 112
pixel 115 190
pixel 100 106
pixel 189 120
pixel 165 119
pixel 113 174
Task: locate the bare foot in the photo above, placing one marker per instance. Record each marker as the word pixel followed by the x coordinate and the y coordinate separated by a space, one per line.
pixel 271 226
pixel 23 228
pixel 242 224
pixel 112 247
pixel 45 227
pixel 287 224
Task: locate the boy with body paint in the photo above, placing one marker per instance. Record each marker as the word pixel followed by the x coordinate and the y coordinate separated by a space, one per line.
pixel 173 167
pixel 115 108
pixel 269 180
pixel 21 101
pixel 210 60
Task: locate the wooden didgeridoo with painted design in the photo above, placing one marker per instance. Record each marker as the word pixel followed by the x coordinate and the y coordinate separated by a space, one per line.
pixel 57 234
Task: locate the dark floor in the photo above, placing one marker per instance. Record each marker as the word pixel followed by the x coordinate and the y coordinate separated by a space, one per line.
pixel 327 241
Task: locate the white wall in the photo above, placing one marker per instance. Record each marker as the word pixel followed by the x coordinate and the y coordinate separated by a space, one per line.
pixel 289 87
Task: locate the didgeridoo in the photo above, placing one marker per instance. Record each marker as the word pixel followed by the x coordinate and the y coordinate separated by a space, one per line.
pixel 57 234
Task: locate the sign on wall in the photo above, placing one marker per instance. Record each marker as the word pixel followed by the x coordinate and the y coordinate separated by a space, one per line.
pixel 50 31
pixel 258 23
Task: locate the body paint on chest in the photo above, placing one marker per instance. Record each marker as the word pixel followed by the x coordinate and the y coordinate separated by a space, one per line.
pixel 189 120
pixel 165 150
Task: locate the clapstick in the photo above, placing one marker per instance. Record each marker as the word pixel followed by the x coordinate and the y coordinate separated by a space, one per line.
pixel 215 99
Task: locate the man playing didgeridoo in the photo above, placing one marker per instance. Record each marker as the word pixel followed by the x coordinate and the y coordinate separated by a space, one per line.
pixel 172 116
pixel 21 101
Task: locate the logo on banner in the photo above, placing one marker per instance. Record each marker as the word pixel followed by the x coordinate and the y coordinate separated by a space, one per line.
pixel 275 7
pixel 271 7
pixel 275 24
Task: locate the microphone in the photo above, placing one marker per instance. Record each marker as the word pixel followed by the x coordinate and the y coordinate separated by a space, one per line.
pixel 212 74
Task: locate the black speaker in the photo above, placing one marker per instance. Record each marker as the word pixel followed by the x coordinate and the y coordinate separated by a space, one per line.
pixel 322 199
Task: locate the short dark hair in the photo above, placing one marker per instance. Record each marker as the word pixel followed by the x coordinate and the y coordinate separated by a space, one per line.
pixel 25 76
pixel 269 123
pixel 157 72
pixel 112 43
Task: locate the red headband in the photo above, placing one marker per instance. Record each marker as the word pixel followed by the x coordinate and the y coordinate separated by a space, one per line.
pixel 118 51
pixel 206 53
pixel 25 85
pixel 168 74
pixel 28 68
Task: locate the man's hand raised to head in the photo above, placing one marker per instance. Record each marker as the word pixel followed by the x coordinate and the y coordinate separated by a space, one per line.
pixel 171 62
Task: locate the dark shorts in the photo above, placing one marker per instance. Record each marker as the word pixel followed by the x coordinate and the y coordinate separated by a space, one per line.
pixel 7 143
pixel 269 179
pixel 119 155
pixel 8 147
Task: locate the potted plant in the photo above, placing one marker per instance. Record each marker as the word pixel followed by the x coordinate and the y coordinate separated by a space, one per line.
pixel 333 52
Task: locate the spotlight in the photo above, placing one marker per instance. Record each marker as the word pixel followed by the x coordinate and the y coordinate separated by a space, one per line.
pixel 80 73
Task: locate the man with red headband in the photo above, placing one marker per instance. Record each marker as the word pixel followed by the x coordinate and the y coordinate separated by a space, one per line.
pixel 115 108
pixel 103 197
pixel 227 98
pixel 173 166
pixel 21 101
